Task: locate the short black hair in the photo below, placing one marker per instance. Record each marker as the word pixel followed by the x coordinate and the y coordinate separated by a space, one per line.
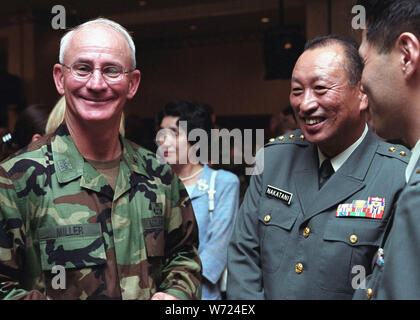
pixel 353 65
pixel 196 115
pixel 387 19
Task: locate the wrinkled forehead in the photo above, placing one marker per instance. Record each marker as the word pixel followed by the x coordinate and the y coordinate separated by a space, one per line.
pixel 320 63
pixel 98 38
pixel 321 58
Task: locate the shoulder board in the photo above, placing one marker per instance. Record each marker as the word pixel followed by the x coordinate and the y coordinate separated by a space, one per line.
pixel 295 137
pixel 394 151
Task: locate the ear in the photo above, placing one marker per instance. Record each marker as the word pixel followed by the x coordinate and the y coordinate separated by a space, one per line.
pixel 409 48
pixel 58 75
pixel 363 98
pixel 35 137
pixel 133 84
pixel 364 101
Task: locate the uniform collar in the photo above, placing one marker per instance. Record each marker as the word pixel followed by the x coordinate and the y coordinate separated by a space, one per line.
pixel 339 159
pixel 69 163
pixel 415 155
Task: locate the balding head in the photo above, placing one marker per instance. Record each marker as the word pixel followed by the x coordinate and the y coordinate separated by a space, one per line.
pixel 98 25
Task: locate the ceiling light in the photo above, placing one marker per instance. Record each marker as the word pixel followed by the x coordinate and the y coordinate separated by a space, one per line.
pixel 142 3
pixel 265 20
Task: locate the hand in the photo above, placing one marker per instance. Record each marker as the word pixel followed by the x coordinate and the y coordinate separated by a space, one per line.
pixel 163 296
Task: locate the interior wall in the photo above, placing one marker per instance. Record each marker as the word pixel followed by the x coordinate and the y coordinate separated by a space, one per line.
pixel 229 77
pixel 46 55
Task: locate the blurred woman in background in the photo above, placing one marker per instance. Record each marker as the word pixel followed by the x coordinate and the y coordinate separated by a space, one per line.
pixel 214 193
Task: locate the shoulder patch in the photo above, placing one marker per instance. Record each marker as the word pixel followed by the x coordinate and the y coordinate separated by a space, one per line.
pixel 394 151
pixel 294 137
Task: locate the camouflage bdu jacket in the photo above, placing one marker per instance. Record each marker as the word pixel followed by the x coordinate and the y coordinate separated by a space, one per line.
pixel 57 210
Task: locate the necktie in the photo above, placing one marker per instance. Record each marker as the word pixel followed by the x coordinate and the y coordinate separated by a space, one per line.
pixel 325 172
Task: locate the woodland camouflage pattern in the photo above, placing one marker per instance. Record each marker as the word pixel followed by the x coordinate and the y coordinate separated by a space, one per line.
pixel 56 209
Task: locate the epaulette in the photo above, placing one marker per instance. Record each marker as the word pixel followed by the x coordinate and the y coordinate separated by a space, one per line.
pixel 394 151
pixel 295 137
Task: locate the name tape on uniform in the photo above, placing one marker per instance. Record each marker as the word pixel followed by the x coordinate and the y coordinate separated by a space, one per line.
pixel 279 194
pixel 373 208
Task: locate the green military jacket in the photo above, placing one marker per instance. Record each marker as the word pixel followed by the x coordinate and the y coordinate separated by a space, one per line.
pixel 57 210
pixel 293 240
pixel 396 273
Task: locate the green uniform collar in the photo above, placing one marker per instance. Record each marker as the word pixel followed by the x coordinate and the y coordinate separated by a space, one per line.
pixel 69 163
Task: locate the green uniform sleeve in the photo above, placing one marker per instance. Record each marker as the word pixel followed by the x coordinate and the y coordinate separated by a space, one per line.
pixel 12 243
pixel 182 271
pixel 244 262
pixel 399 277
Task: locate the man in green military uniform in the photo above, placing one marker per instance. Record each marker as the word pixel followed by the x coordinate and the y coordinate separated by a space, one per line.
pixel 391 78
pixel 317 211
pixel 86 200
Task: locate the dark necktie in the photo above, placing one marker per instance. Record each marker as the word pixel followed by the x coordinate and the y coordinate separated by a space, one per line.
pixel 325 172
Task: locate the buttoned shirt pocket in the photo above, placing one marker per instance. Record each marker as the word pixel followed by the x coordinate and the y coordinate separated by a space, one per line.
pixel 71 246
pixel 80 250
pixel 347 243
pixel 275 225
pixel 154 237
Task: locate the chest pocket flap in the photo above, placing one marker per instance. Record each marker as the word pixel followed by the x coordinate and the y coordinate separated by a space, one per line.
pixel 354 232
pixel 284 218
pixel 72 246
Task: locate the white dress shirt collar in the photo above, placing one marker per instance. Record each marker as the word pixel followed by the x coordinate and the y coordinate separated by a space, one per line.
pixel 339 159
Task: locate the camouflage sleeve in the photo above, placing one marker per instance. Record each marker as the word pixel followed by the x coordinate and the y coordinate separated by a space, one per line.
pixel 181 274
pixel 12 243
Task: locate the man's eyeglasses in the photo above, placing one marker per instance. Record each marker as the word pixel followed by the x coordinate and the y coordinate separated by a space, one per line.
pixel 84 71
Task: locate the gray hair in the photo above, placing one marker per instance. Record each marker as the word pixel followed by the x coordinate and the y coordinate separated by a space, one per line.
pixel 65 40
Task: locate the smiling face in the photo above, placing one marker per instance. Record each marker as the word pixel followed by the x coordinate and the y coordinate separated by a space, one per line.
pixel 95 99
pixel 327 108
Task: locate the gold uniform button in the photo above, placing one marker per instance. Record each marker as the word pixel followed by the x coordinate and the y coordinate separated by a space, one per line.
pixel 292 136
pixel 299 268
pixel 403 154
pixel 272 140
pixel 302 137
pixel 267 218
pixel 369 293
pixel 353 238
pixel 392 149
pixel 306 232
pixel 281 138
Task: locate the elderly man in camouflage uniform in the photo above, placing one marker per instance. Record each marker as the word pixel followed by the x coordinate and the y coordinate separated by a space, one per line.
pixel 117 222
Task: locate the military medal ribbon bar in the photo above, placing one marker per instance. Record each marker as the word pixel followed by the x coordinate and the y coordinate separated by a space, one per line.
pixel 373 208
